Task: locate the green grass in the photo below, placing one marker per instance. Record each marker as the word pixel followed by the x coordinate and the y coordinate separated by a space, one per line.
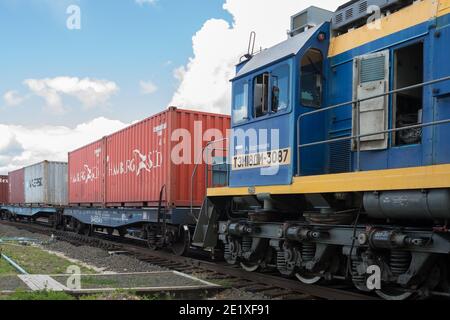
pixel 158 296
pixel 6 269
pixel 37 295
pixel 98 281
pixel 37 261
pixel 116 295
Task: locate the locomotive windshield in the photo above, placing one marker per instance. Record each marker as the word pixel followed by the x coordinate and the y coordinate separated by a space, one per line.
pixel 267 93
pixel 240 101
pixel 280 88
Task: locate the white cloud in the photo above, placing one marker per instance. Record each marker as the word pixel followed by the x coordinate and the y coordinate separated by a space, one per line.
pixel 21 146
pixel 217 46
pixel 12 98
pixel 148 87
pixel 90 92
pixel 142 2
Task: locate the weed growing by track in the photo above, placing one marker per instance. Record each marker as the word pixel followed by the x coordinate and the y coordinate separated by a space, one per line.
pixel 37 295
pixel 37 261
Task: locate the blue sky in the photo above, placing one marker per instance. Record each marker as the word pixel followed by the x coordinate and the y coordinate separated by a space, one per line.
pixel 119 40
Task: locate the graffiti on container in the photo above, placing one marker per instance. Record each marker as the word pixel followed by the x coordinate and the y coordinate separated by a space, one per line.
pixel 159 129
pixel 139 163
pixel 86 175
pixel 35 183
pixel 97 152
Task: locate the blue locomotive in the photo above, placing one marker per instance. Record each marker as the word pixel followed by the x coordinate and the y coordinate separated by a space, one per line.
pixel 339 158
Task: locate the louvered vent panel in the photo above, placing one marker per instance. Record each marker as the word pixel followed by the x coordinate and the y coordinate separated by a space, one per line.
pixel 372 69
pixel 340 157
pixel 363 7
pixel 349 14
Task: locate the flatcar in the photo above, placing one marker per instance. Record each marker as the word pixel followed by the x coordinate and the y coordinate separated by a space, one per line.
pixel 339 156
pixel 133 182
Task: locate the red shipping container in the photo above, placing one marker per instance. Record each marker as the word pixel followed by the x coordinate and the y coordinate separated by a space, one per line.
pixel 16 182
pixel 86 174
pixel 143 158
pixel 4 190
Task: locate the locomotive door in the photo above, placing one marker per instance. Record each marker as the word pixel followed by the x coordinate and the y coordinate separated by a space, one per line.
pixel 371 78
pixel 311 96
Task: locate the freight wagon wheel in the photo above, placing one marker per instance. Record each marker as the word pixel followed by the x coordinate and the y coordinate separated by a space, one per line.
pixel 80 227
pixel 110 231
pixel 88 230
pixel 122 231
pixel 52 221
pixel 183 243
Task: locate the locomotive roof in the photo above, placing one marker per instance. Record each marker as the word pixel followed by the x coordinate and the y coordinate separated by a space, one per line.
pixel 282 50
pixel 347 4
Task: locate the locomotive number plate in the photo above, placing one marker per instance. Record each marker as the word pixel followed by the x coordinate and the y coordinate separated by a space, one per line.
pixel 271 158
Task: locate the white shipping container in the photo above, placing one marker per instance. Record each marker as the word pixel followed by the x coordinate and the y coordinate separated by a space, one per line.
pixel 46 184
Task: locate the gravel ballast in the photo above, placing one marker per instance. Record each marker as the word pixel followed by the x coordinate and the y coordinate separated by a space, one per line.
pixel 103 262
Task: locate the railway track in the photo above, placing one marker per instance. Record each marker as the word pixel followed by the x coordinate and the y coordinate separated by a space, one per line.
pixel 267 284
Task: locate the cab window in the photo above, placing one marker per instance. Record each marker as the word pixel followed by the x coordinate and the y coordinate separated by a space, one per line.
pixel 261 95
pixel 311 79
pixel 240 102
pixel 280 88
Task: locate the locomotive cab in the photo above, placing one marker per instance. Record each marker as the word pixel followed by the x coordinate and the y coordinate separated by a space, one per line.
pixel 270 91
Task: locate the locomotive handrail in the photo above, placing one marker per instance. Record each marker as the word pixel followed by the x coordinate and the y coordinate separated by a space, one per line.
pixel 194 172
pixel 358 136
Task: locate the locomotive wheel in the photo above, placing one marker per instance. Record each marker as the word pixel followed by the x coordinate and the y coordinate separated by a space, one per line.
pixel 183 243
pixel 80 227
pixel 394 294
pixel 250 267
pixel 308 279
pixel 434 277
